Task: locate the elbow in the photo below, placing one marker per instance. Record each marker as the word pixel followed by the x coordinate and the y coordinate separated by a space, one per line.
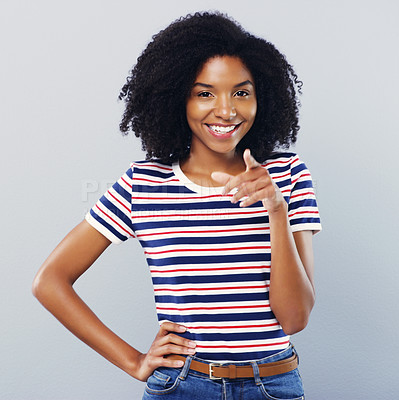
pixel 294 326
pixel 50 286
pixel 38 287
pixel 296 320
pixel 44 286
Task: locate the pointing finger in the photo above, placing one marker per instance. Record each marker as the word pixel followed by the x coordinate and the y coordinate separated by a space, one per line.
pixel 250 162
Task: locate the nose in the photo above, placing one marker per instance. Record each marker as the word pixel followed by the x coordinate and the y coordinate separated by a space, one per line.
pixel 224 108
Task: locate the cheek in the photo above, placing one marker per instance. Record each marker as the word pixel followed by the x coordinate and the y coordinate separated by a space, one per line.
pixel 192 111
pixel 251 112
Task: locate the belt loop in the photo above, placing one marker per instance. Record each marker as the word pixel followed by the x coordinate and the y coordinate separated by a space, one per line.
pixel 256 372
pixel 297 356
pixel 232 371
pixel 295 352
pixel 186 368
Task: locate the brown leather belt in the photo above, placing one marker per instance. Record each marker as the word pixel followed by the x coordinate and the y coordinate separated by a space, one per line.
pixel 231 371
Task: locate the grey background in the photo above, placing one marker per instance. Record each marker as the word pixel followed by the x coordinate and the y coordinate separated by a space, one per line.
pixel 62 65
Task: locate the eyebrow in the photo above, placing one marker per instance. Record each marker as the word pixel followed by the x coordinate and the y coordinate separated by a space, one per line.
pixel 205 85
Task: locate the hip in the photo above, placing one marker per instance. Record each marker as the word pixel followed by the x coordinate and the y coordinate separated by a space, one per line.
pixel 191 382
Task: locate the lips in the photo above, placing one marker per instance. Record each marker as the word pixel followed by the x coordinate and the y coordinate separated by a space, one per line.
pixel 222 131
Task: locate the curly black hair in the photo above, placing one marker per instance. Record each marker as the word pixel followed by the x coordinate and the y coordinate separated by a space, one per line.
pixel 157 89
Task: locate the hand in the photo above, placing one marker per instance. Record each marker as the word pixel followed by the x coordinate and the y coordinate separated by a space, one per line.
pixel 256 183
pixel 165 343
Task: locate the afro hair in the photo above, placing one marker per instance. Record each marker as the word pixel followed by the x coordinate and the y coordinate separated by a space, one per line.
pixel 157 89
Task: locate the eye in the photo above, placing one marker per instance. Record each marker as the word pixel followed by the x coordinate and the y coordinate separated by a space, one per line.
pixel 241 93
pixel 204 94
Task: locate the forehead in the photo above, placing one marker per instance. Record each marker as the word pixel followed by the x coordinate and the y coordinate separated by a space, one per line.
pixel 224 69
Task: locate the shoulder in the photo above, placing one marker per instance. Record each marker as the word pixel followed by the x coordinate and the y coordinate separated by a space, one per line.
pixel 285 160
pixel 155 164
pixel 151 168
pixel 287 165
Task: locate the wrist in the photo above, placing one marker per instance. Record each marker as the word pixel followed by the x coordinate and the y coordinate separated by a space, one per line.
pixel 132 363
pixel 278 212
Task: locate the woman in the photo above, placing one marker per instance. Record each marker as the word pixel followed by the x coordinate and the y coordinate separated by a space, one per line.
pixel 225 222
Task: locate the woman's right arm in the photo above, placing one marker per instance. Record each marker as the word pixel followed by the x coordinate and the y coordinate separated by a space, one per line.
pixel 53 287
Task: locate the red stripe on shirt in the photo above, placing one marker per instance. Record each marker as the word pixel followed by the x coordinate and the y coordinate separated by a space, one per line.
pixel 199 215
pixel 207 231
pixel 210 249
pixel 211 288
pixel 304 212
pixel 286 162
pixel 127 183
pixel 127 208
pixel 294 181
pixel 226 346
pixel 152 181
pixel 138 165
pixel 212 308
pixel 232 327
pixel 179 198
pixel 281 176
pixel 302 194
pixel 209 269
pixel 120 226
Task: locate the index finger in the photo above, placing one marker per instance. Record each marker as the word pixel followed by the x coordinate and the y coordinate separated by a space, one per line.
pixel 250 162
pixel 167 327
pixel 234 181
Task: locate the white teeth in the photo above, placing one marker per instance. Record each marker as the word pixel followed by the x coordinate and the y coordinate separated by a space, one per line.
pixel 222 129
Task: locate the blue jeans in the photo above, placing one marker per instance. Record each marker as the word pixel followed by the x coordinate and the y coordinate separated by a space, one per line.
pixel 183 384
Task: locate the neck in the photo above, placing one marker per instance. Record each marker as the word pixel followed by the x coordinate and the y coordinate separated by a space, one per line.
pixel 211 162
pixel 199 167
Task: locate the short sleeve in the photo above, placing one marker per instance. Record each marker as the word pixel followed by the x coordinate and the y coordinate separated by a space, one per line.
pixel 303 212
pixel 111 215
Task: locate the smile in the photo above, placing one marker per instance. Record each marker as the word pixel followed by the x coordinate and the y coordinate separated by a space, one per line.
pixel 222 131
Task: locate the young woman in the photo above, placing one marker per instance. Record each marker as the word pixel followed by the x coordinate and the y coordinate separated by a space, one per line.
pixel 225 222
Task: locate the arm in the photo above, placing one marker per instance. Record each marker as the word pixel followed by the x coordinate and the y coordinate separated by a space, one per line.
pixel 291 292
pixel 53 287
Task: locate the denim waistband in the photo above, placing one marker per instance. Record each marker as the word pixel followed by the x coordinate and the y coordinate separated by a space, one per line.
pixel 282 355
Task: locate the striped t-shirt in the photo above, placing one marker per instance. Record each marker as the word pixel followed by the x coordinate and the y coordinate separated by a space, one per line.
pixel 209 259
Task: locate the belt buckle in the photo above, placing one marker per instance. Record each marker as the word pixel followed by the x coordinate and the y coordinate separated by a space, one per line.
pixel 211 365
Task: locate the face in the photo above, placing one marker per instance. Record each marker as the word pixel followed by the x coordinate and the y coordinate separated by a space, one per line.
pixel 221 107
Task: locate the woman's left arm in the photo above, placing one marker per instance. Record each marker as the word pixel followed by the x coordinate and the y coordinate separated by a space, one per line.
pixel 291 292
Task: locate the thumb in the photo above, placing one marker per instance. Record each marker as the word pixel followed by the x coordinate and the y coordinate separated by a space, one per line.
pixel 250 162
pixel 221 177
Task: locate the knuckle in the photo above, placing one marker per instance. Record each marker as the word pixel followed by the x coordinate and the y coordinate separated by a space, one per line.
pixel 152 363
pixel 166 363
pixel 157 362
pixel 174 338
pixel 250 200
pixel 168 339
